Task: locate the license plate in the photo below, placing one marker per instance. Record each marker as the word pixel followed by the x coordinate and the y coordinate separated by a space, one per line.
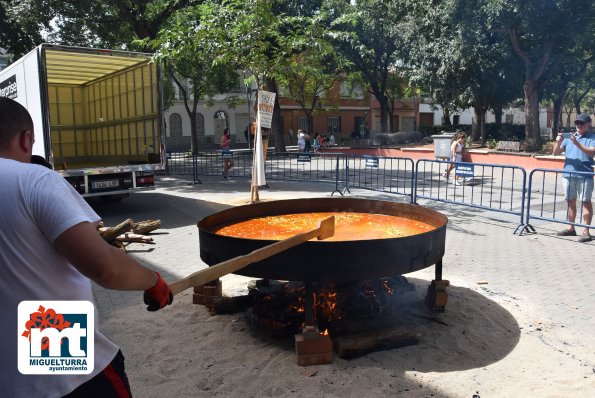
pixel 105 184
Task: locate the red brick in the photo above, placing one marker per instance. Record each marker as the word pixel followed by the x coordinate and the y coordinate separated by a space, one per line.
pixel 198 299
pixel 314 359
pixel 321 345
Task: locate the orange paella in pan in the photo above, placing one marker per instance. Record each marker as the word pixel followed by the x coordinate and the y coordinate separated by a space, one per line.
pixel 372 238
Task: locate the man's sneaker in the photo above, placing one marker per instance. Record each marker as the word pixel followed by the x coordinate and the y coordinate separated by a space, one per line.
pixel 566 232
pixel 585 237
pixel 456 182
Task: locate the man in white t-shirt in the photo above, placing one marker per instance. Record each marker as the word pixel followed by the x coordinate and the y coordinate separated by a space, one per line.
pixel 50 250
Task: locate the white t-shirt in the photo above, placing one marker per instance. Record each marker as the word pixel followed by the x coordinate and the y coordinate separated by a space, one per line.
pixel 36 206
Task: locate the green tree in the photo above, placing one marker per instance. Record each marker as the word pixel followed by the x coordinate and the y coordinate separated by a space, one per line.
pixel 186 50
pixel 263 37
pixel 369 35
pixel 543 34
pixel 458 60
pixel 313 68
pixel 92 23
pixel 573 81
pixel 22 24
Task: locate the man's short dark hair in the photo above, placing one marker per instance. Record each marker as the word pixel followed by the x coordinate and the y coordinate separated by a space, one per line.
pixel 14 119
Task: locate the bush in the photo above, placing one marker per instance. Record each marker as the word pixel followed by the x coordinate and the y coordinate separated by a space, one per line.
pixel 506 132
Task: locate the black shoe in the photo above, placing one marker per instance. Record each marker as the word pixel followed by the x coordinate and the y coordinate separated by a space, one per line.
pixel 585 238
pixel 566 232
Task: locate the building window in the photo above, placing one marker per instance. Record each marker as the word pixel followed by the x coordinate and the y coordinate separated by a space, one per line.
pixel 175 125
pixel 456 119
pixel 302 123
pixel 348 90
pixel 333 124
pixel 509 118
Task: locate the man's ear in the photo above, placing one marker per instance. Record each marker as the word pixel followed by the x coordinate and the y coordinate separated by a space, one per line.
pixel 26 141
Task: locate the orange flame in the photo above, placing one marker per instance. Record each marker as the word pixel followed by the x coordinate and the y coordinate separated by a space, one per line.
pixel 389 289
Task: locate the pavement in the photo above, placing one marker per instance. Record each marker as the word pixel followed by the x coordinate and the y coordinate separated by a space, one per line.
pixel 549 277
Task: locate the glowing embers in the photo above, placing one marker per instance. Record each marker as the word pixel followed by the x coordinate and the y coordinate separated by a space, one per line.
pixel 348 226
pixel 277 308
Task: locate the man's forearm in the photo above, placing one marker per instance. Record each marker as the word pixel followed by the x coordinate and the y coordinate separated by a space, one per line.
pixel 125 273
pixel 106 265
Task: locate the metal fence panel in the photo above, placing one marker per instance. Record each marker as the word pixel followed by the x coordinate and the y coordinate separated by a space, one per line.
pixel 377 173
pixel 494 187
pixel 546 197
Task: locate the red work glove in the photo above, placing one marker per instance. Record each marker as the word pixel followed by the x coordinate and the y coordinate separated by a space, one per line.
pixel 159 295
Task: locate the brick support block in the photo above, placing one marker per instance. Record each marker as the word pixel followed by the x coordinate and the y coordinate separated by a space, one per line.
pixel 198 299
pixel 313 351
pixel 436 298
pixel 204 294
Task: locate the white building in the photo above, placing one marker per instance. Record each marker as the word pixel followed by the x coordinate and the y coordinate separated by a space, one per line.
pixel 210 120
pixel 509 115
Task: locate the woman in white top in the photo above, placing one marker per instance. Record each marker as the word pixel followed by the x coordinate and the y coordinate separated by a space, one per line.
pixel 456 154
pixel 301 140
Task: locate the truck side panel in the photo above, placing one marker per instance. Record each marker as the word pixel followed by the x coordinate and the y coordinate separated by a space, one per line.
pixel 22 82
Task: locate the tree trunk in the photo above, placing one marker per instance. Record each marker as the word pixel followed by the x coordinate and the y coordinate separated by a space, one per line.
pixel 557 122
pixel 383 114
pixel 577 106
pixel 475 127
pixel 308 114
pixel 193 134
pixel 532 130
pixel 276 123
pixel 498 116
pixel 482 126
pixel 446 116
pixel 391 113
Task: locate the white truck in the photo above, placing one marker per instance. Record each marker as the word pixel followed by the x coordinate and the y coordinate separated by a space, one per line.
pixel 97 114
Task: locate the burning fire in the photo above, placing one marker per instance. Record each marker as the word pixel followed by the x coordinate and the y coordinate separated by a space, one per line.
pixel 284 308
pixel 389 289
pixel 325 304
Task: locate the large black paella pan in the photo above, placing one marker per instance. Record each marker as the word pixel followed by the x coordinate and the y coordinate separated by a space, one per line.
pixel 332 261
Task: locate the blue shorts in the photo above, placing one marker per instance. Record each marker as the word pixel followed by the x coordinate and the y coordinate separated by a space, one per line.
pixel 575 187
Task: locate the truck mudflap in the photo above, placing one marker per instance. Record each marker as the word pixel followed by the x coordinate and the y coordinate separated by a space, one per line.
pixel 98 182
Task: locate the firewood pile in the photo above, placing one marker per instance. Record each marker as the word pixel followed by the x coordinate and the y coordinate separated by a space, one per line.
pixel 128 232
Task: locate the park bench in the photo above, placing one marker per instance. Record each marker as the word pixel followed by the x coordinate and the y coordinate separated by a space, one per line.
pixel 508 146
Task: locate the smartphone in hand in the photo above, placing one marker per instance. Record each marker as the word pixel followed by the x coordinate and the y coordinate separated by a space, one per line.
pixel 566 135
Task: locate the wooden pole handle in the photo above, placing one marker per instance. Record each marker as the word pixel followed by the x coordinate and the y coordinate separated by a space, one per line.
pixel 326 229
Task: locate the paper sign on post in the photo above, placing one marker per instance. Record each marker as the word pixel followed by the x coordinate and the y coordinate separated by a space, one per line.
pixel 266 104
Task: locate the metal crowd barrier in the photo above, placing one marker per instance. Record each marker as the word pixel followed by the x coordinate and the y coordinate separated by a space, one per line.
pixel 377 173
pixel 546 198
pixel 284 166
pixel 304 167
pixel 492 187
pixel 499 188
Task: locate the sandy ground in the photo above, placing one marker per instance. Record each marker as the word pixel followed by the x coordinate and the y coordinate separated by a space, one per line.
pixel 477 348
pixel 486 344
